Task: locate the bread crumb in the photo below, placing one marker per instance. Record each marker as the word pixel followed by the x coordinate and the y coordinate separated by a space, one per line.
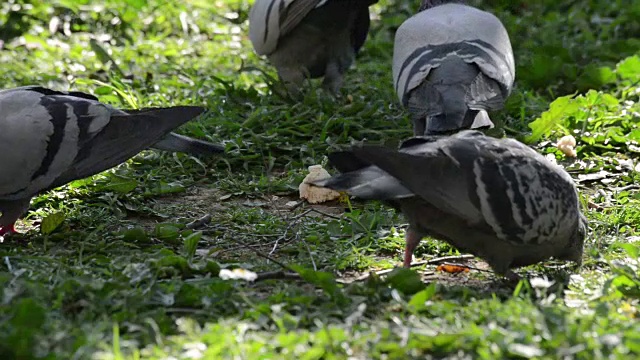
pixel 567 144
pixel 314 194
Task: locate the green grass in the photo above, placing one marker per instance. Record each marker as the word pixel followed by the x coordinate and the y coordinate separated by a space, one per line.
pixel 107 268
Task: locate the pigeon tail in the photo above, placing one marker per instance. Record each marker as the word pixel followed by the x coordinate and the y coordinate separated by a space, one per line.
pixel 185 144
pixel 123 137
pixel 360 179
pixel 482 121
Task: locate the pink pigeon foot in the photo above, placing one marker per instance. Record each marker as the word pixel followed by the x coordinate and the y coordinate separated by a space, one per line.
pixel 412 239
pixel 7 230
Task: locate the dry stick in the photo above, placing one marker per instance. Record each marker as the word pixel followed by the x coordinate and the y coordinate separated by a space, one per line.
pixel 441 259
pixel 272 259
pixel 286 231
pixel 467 266
pixel 295 220
pixel 426 262
pixel 278 275
pixel 313 262
pixel 292 221
pixel 324 214
pixel 627 187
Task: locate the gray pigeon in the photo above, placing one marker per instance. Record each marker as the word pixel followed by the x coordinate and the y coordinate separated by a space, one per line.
pixel 309 38
pixel 49 138
pixel 495 198
pixel 451 64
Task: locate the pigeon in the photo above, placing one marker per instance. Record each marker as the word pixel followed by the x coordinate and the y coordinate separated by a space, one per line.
pixel 49 138
pixel 495 198
pixel 451 64
pixel 310 38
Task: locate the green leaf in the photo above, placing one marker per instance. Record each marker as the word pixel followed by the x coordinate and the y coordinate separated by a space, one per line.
pixel 174 261
pixel 28 314
pixel 119 184
pixel 609 100
pixel 104 56
pixel 324 280
pixel 405 280
pixel 629 68
pixel 27 321
pixel 137 4
pixel 51 222
pixel 559 110
pixel 136 234
pixel 595 76
pixel 419 300
pixel 632 250
pixel 164 188
pixel 315 353
pixel 212 268
pixel 167 232
pixel 634 135
pixel 191 244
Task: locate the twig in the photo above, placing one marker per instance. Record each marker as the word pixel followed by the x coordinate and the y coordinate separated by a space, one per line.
pixel 297 205
pixel 282 237
pixel 302 214
pixel 272 259
pixel 324 214
pixel 313 262
pixel 278 275
pixel 442 259
pixel 628 187
pixel 188 311
pixel 426 262
pixel 294 221
pixel 377 273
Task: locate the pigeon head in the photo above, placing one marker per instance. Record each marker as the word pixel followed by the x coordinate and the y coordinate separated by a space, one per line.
pixel 574 249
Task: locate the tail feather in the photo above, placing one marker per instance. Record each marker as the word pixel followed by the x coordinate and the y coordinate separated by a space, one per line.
pixel 185 144
pixel 346 161
pixel 123 137
pixel 482 121
pixel 360 179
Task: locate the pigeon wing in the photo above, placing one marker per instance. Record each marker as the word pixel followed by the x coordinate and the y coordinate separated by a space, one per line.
pixel 123 137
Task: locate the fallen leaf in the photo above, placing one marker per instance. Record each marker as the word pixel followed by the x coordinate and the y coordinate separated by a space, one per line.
pixel 452 269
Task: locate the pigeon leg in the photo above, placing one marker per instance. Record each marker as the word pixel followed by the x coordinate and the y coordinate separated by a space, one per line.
pixel 11 212
pixel 7 230
pixel 412 239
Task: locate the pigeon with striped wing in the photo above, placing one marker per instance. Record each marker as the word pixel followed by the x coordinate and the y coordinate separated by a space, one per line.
pixel 50 138
pixel 451 64
pixel 310 38
pixel 495 198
